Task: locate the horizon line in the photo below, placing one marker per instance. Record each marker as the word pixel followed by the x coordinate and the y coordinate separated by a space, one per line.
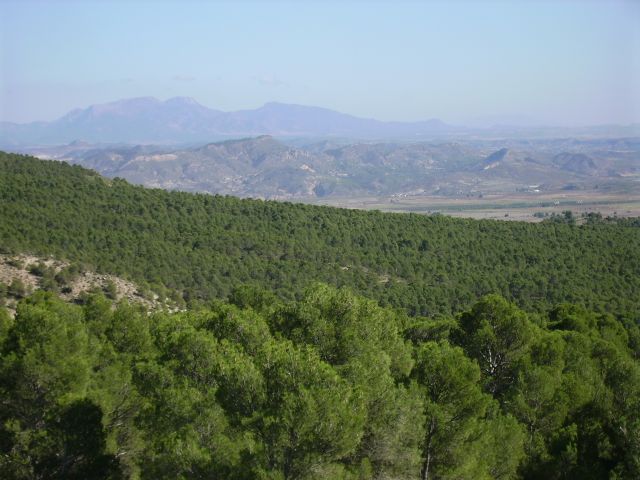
pixel 488 125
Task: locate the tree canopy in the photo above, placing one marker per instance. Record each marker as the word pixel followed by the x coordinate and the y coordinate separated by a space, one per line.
pixel 329 386
pixel 204 246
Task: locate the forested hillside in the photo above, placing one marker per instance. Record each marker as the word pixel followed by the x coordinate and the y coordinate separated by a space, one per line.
pixel 267 374
pixel 204 246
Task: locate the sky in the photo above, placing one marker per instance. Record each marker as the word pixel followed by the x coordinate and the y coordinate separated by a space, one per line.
pixel 465 62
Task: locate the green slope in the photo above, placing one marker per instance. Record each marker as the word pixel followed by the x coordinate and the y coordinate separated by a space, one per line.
pixel 206 245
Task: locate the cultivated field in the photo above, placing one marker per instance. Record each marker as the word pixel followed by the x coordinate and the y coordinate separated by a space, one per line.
pixel 529 207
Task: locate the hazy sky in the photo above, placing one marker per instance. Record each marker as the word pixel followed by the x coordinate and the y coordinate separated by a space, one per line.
pixel 557 62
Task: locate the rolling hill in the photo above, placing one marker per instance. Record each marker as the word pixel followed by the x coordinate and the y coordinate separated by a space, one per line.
pixel 266 167
pixel 205 246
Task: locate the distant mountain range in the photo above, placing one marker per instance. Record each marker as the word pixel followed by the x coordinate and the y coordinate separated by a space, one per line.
pixel 284 151
pixel 266 167
pixel 182 120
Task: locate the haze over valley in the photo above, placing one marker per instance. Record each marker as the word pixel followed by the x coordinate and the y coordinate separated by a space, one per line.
pixel 292 152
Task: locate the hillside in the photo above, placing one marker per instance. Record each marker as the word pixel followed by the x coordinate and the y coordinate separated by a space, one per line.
pixel 269 374
pixel 204 246
pixel 266 167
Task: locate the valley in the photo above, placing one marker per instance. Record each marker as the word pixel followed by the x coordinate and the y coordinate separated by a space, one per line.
pixel 525 207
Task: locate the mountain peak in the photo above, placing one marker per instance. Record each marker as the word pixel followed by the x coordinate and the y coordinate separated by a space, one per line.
pixel 123 106
pixel 275 104
pixel 182 119
pixel 187 101
pixel 134 101
pixel 281 106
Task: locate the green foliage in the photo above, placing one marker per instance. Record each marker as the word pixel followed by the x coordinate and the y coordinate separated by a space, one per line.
pixel 496 334
pixel 207 246
pixel 364 343
pixel 15 262
pixel 110 290
pixel 6 323
pixel 326 386
pixel 37 269
pixel 293 379
pixel 67 274
pixel 16 288
pixel 463 434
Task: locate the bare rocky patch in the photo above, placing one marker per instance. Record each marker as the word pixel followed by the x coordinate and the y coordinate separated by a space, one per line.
pixel 22 274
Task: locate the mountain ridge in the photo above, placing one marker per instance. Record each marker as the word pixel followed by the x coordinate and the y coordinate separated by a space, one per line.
pixel 183 119
pixel 268 167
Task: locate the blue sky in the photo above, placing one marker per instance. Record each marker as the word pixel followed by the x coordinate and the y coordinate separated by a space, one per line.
pixel 561 62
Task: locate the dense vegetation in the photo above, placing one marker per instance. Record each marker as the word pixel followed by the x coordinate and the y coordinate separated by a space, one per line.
pixel 328 387
pixel 204 246
pixel 287 378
